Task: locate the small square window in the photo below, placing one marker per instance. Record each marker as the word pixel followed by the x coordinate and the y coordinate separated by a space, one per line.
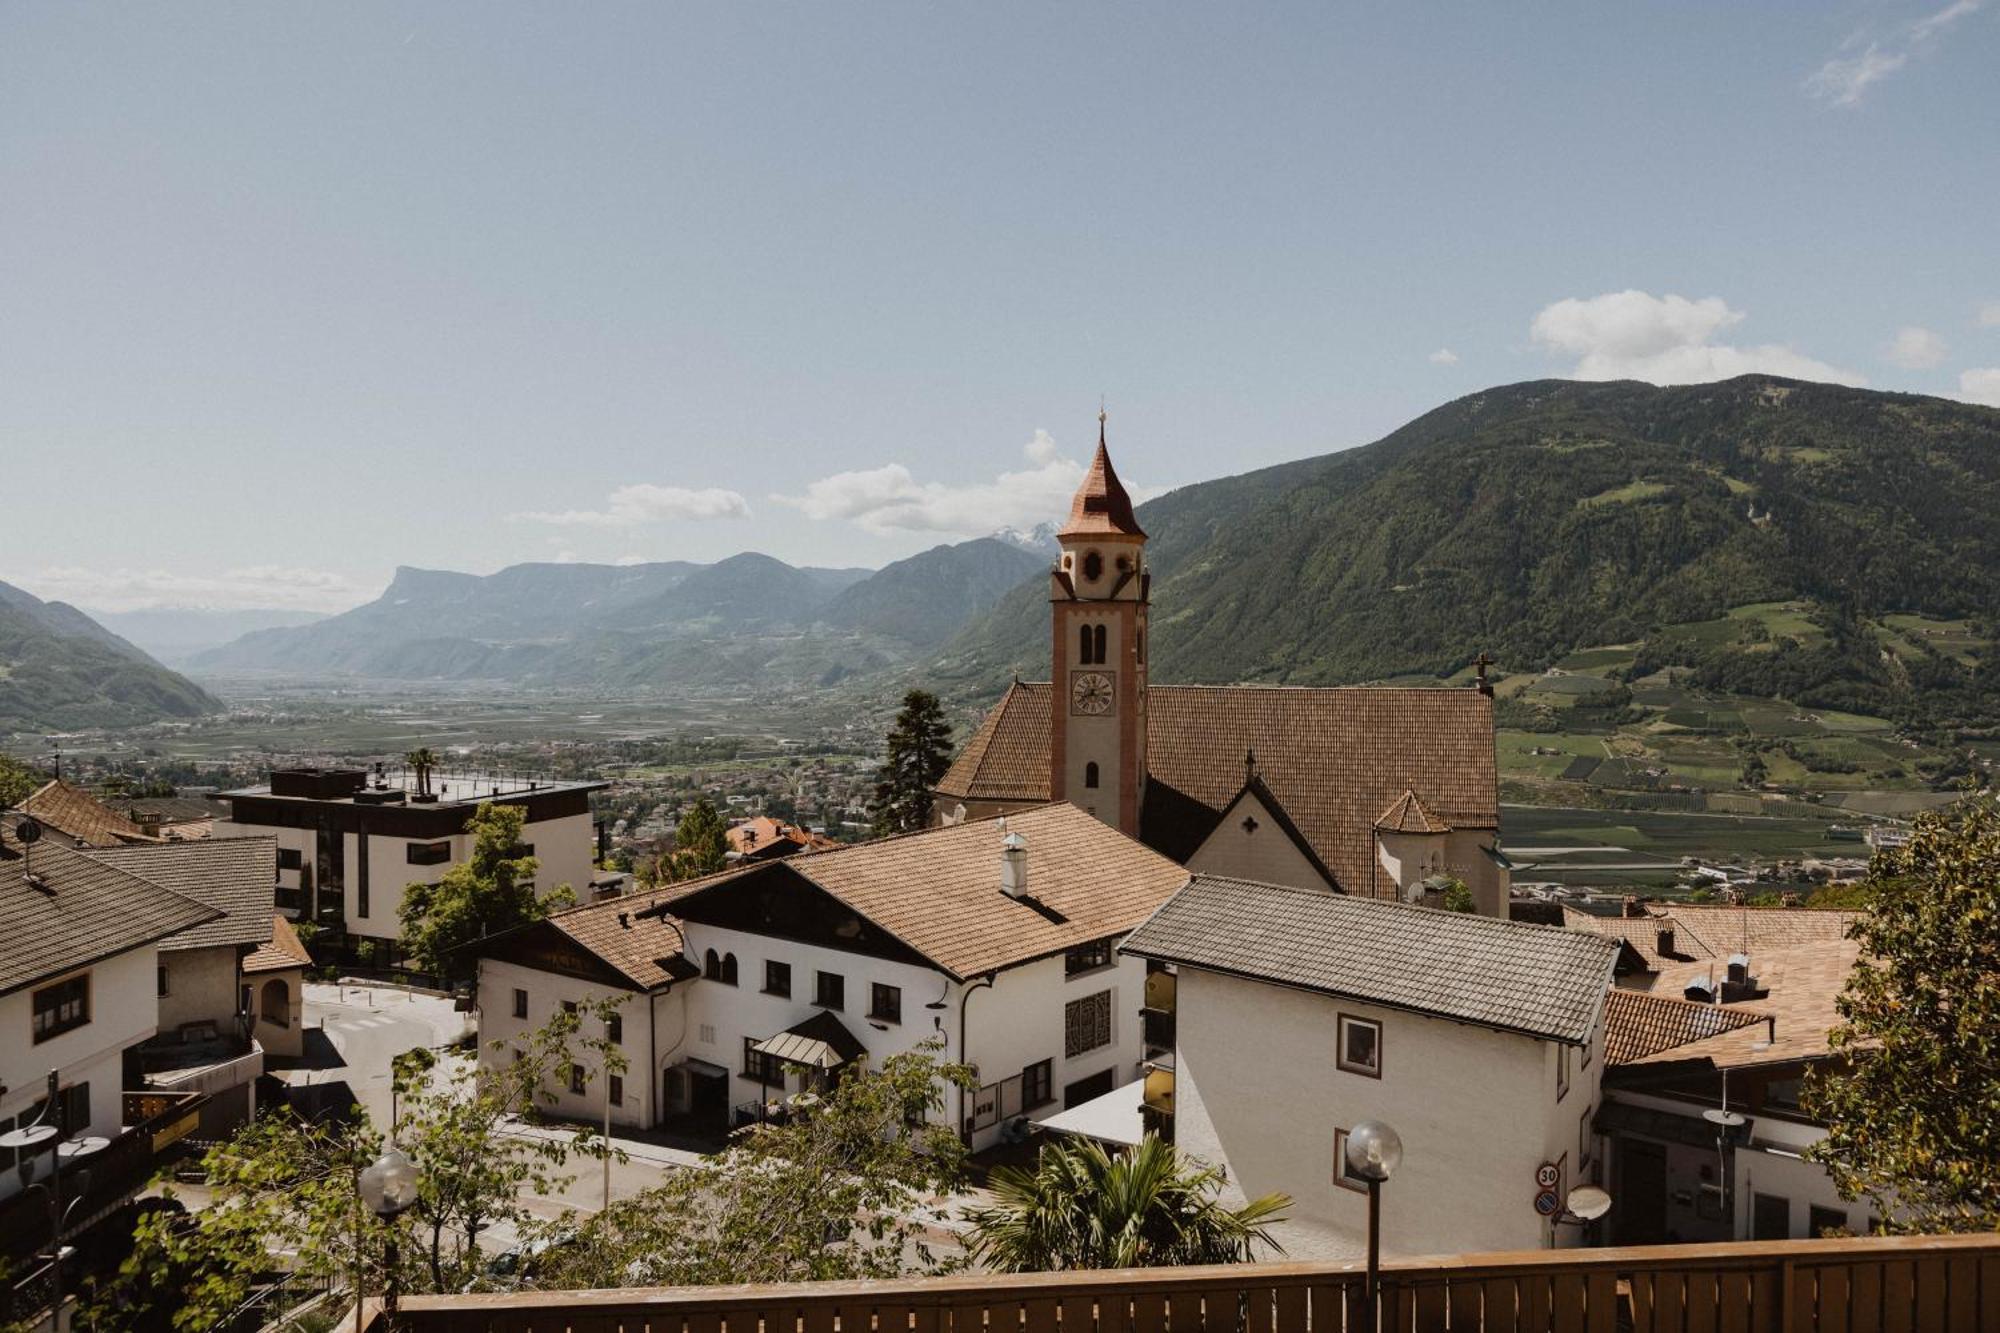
pixel 576 1078
pixel 617 1086
pixel 614 1028
pixel 885 1003
pixel 830 990
pixel 1360 1049
pixel 520 1003
pixel 778 979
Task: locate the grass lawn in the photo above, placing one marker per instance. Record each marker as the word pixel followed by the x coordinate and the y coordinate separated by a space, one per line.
pixel 1600 659
pixel 1630 493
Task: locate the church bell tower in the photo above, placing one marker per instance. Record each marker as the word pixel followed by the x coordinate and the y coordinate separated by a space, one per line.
pixel 1098 595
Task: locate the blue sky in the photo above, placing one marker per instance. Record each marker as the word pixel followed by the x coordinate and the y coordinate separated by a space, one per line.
pixel 292 294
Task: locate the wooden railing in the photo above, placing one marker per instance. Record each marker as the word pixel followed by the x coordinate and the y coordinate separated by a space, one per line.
pixel 1915 1283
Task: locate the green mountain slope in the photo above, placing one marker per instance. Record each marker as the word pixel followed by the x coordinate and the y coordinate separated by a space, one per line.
pixel 60 670
pixel 1535 520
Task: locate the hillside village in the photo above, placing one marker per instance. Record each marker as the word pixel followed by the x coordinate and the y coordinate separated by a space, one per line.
pixel 1133 912
pixel 1117 668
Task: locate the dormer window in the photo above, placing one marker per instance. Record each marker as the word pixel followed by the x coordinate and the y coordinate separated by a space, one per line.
pixel 1093 566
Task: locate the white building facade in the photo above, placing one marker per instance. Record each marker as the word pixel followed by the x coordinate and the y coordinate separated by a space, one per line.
pixel 1300 1014
pixel 1051 1019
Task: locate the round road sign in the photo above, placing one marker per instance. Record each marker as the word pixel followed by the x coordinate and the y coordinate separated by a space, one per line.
pixel 1547 1176
pixel 1546 1203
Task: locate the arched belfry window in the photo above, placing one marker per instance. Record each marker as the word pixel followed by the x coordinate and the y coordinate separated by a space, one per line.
pixel 728 977
pixel 1093 566
pixel 1090 774
pixel 711 966
pixel 1083 645
pixel 1097 636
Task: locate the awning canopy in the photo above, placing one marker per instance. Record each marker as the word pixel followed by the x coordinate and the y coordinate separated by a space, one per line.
pixel 1113 1118
pixel 820 1042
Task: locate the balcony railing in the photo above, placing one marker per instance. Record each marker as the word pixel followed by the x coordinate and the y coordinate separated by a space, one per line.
pixel 106 1178
pixel 1860 1285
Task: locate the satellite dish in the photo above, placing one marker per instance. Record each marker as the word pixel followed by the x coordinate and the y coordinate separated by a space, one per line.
pixel 1727 1119
pixel 1589 1202
pixel 27 1136
pixel 82 1146
pixel 28 831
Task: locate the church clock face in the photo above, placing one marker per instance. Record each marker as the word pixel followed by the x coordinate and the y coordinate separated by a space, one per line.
pixel 1091 693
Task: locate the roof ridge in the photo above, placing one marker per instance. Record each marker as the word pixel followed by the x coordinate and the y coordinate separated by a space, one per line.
pixel 1470 918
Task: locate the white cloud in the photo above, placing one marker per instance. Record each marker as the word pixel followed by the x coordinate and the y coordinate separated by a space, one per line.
pixel 252 587
pixel 889 499
pixel 1665 340
pixel 1844 79
pixel 1989 315
pixel 1917 349
pixel 1444 356
pixel 642 503
pixel 1929 27
pixel 630 560
pixel 1980 386
pixel 1842 82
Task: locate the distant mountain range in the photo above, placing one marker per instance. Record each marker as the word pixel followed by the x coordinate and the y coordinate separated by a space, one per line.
pixel 175 633
pixel 61 670
pixel 1535 520
pixel 748 621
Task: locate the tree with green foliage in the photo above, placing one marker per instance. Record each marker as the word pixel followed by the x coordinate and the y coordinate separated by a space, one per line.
pixel 1912 1101
pixel 284 1191
pixel 490 891
pixel 918 753
pixel 701 845
pixel 1458 895
pixel 17 781
pixel 846 1187
pixel 1148 1206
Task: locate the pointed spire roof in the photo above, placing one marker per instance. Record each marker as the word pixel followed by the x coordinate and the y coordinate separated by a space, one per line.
pixel 1101 507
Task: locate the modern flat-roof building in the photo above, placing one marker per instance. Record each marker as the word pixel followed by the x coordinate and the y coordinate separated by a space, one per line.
pixel 349 840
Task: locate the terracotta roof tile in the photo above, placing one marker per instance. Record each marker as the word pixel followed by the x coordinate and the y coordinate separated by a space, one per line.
pixel 1334 758
pixel 938 891
pixel 1408 814
pixel 1637 1024
pixel 1101 508
pixel 638 946
pixel 1539 980
pixel 284 950
pixel 1702 932
pixel 80 816
pixel 1801 986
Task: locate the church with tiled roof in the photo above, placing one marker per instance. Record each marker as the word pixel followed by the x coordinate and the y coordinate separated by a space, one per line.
pixel 1378 791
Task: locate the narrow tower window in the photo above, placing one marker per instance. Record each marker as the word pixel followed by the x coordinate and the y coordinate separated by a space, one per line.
pixel 1098 642
pixel 1083 644
pixel 1090 775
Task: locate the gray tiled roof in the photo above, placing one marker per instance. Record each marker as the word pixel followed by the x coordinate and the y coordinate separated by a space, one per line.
pixel 237 875
pixel 1539 980
pixel 92 911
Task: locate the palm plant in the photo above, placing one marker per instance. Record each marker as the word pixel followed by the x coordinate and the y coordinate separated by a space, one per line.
pixel 1146 1207
pixel 421 761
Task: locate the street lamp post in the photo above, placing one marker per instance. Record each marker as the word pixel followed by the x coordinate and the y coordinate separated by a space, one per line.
pixel 1374 1151
pixel 389 1186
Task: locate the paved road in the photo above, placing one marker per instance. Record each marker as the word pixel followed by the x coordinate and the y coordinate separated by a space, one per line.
pixel 354 1032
